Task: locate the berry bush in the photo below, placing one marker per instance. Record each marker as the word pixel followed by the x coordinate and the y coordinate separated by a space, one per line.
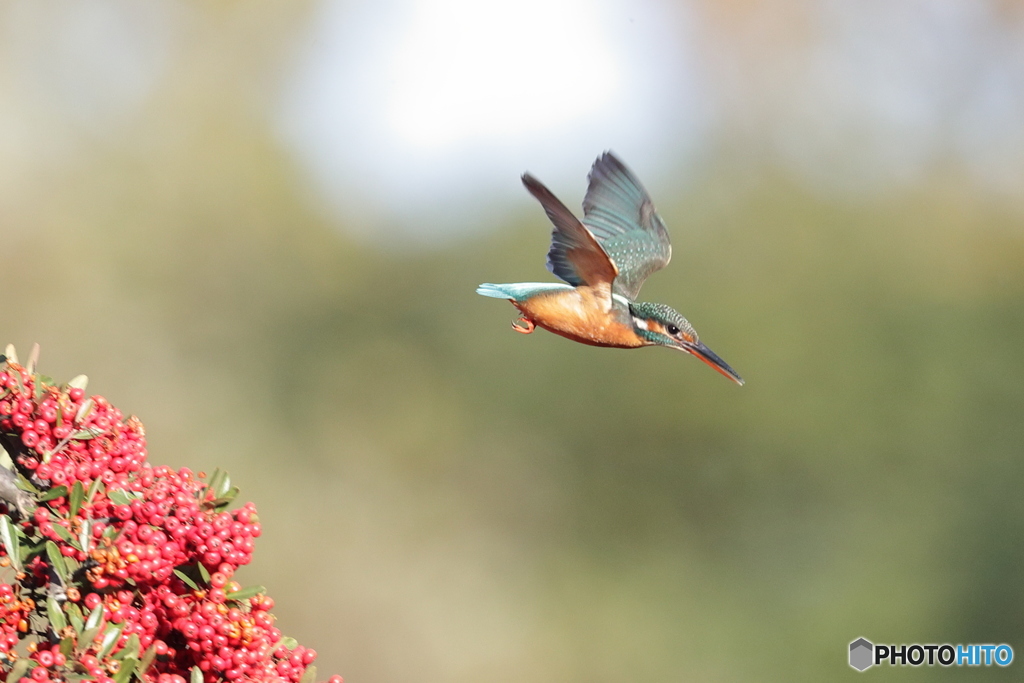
pixel 112 568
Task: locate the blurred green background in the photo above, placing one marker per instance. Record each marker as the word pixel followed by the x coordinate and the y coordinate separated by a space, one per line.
pixel 444 500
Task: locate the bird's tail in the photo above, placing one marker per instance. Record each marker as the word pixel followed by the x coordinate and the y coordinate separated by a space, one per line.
pixel 496 291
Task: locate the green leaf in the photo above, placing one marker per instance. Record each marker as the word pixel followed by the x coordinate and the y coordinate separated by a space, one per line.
pixel 111 634
pixel 78 382
pixel 288 642
pixel 246 593
pixel 309 675
pixel 85 640
pixel 124 674
pixel 54 493
pixel 94 488
pixel 30 550
pixel 147 659
pixel 95 617
pixel 67 646
pixel 26 486
pixel 226 499
pixel 86 434
pixel 186 579
pixel 9 535
pixel 85 535
pixel 130 649
pixel 122 497
pixel 197 675
pixel 57 561
pixel 75 616
pixel 21 668
pixel 66 536
pixel 223 486
pixel 214 479
pixel 77 496
pixel 33 359
pixel 204 572
pixel 55 615
pixel 84 409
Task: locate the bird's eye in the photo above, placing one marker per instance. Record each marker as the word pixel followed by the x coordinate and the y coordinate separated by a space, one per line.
pixel 673 330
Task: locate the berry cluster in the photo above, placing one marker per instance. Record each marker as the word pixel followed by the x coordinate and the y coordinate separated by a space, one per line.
pixel 121 569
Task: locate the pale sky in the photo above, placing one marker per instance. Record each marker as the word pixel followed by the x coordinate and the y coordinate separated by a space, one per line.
pixel 412 120
pixel 403 110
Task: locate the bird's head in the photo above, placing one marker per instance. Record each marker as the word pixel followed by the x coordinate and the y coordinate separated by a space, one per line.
pixel 662 325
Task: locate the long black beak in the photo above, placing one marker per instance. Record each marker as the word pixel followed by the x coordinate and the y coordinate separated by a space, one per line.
pixel 711 358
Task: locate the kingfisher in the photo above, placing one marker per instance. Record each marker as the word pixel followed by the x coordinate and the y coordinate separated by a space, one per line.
pixel 604 259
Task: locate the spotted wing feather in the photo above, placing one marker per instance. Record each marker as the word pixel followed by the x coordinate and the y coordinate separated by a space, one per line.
pixel 620 214
pixel 575 255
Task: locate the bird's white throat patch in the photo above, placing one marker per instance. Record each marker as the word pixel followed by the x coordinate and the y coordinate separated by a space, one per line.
pixel 639 322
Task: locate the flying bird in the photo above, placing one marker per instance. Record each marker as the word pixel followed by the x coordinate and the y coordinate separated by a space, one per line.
pixel 605 259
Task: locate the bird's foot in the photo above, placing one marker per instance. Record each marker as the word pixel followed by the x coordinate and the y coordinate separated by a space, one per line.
pixel 523 325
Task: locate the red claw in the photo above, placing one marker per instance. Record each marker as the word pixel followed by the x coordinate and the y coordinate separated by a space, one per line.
pixel 523 325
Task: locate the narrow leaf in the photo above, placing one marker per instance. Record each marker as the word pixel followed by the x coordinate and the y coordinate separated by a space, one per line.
pixel 54 493
pixel 21 668
pixel 57 561
pixel 95 617
pixel 309 675
pixel 75 616
pixel 33 358
pixel 86 639
pixel 12 355
pixel 78 382
pixel 223 486
pixel 226 499
pixel 147 659
pixel 246 593
pixel 26 486
pixel 124 674
pixel 122 497
pixel 85 536
pixel 55 615
pixel 84 409
pixel 77 496
pixel 130 649
pixel 94 488
pixel 110 637
pixel 186 579
pixel 197 675
pixel 204 572
pixel 67 646
pixel 30 550
pixel 66 536
pixel 9 535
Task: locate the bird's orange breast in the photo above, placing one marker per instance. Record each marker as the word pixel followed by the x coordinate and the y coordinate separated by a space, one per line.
pixel 582 314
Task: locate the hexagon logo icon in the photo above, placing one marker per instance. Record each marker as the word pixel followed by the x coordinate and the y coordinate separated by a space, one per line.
pixel 861 651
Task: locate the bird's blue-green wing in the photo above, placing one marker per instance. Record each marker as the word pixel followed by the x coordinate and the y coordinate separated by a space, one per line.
pixel 620 214
pixel 575 255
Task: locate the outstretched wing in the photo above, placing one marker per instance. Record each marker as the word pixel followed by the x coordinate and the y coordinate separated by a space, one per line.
pixel 620 214
pixel 575 256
